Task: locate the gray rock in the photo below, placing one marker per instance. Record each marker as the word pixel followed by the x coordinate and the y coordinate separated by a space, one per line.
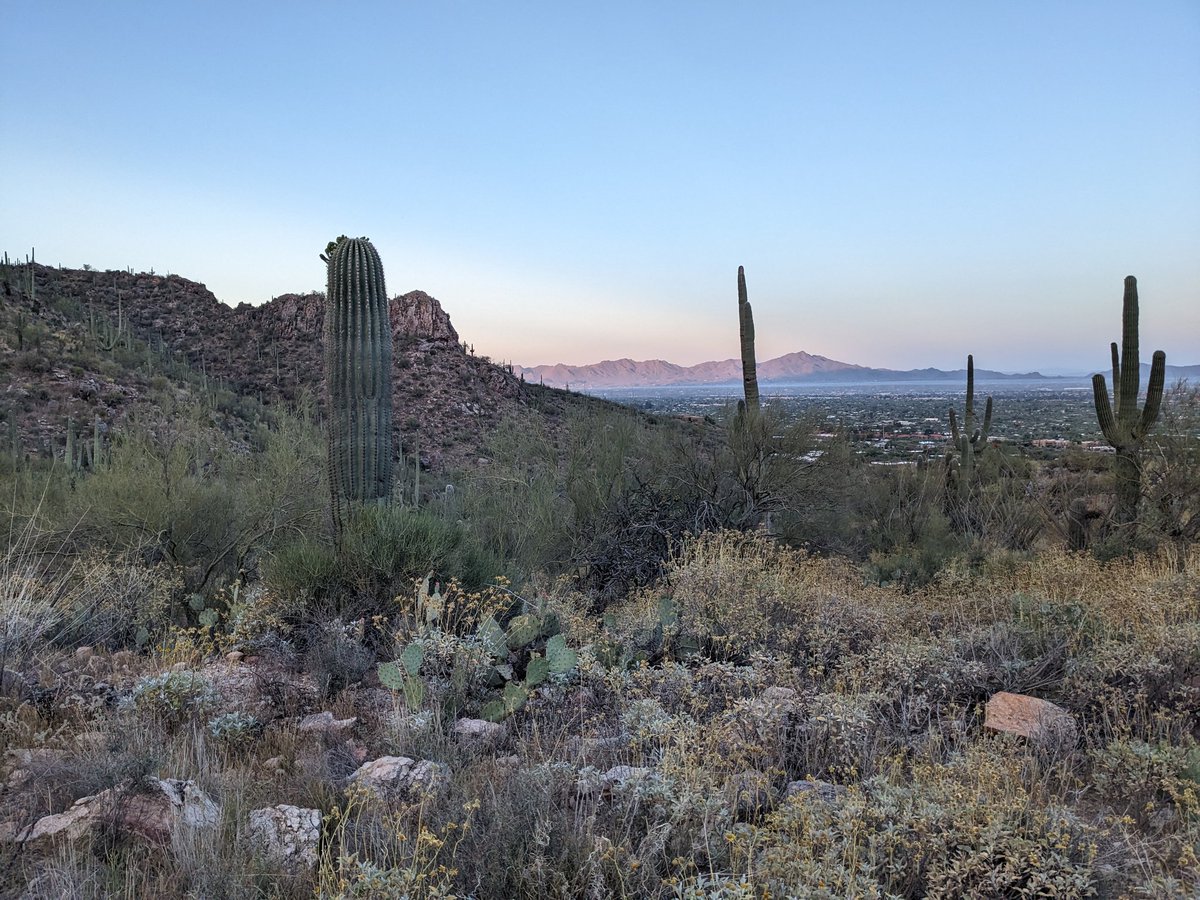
pixel 325 723
pixel 285 833
pixel 816 789
pixel 152 811
pixel 393 776
pixel 479 731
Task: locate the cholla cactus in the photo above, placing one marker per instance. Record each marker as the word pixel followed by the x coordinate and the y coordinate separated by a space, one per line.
pixel 358 376
pixel 971 440
pixel 1126 431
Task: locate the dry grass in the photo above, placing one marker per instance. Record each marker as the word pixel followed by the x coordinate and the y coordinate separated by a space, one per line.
pixel 771 667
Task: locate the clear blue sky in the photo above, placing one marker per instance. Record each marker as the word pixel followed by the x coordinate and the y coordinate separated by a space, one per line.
pixel 904 182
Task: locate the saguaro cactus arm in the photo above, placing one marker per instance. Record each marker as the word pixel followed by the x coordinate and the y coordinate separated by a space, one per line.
pixel 981 436
pixel 1104 413
pixel 1154 394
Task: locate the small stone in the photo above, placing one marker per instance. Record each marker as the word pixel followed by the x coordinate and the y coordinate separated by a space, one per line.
pixel 812 787
pixel 84 817
pixel 1039 721
pixel 325 723
pixel 286 833
pixel 479 731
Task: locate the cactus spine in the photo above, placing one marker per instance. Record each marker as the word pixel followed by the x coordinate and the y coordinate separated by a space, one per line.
pixel 1126 431
pixel 746 330
pixel 970 441
pixel 358 376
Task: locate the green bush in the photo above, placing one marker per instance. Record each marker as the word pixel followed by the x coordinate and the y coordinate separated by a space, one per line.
pixel 173 697
pixel 382 551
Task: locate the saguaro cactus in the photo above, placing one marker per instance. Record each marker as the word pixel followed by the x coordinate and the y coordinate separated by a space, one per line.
pixel 358 376
pixel 1126 431
pixel 746 330
pixel 970 440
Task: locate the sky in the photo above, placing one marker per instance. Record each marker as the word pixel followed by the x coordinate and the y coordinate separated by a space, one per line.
pixel 905 183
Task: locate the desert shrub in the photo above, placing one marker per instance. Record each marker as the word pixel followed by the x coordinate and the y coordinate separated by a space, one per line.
pixel 302 569
pixel 959 830
pixel 384 548
pixel 904 529
pixel 634 535
pixel 180 490
pixel 119 601
pixel 335 654
pixel 1147 780
pixel 1139 688
pixel 737 591
pixel 381 553
pixel 920 682
pixel 1171 467
pixel 234 730
pixel 514 506
pixel 35 588
pixel 173 697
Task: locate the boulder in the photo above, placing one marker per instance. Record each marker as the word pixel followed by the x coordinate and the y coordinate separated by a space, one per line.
pixel 163 806
pixel 390 777
pixel 1039 721
pixel 286 834
pixel 418 315
pixel 152 811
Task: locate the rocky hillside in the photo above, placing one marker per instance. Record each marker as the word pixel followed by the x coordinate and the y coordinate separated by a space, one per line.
pixel 81 343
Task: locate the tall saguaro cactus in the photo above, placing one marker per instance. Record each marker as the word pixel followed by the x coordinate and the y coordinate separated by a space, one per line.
pixel 970 441
pixel 746 331
pixel 358 376
pixel 1126 431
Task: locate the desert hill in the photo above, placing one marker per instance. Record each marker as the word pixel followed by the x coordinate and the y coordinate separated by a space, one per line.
pixel 81 343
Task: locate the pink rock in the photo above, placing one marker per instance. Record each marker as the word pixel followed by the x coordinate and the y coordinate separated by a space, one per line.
pixel 1037 720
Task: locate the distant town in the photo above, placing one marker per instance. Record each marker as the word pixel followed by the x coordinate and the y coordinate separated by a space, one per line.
pixel 904 423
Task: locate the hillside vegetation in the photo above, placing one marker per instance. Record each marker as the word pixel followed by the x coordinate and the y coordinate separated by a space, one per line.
pixel 582 652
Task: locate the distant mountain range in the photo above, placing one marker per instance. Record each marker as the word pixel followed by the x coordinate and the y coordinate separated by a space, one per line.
pixel 793 367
